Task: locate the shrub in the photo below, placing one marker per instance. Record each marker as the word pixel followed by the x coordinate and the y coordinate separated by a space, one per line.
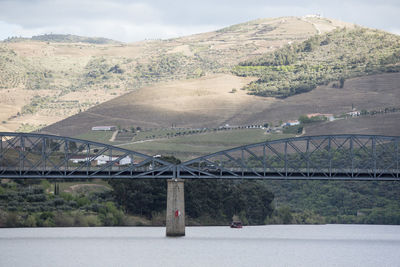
pixel 13 220
pixel 92 220
pixel 281 215
pixel 58 201
pixel 110 215
pixel 30 221
pixel 304 119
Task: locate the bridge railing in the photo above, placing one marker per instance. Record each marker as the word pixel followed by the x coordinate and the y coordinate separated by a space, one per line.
pixel 36 155
pixel 324 157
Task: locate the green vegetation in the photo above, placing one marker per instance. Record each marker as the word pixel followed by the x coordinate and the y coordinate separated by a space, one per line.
pixel 103 71
pixel 29 203
pixel 37 102
pixel 183 143
pixel 11 68
pixel 304 119
pixel 39 79
pixel 32 204
pixel 26 127
pixel 172 67
pixel 297 129
pixel 161 133
pixel 186 146
pixel 207 202
pixel 116 72
pixel 97 136
pixel 335 202
pixel 335 56
pixel 386 110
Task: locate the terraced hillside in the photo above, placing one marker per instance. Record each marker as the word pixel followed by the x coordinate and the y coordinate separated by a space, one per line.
pixel 334 56
pixel 45 80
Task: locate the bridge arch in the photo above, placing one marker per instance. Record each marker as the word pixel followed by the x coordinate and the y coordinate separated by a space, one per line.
pixel 32 155
pixel 333 157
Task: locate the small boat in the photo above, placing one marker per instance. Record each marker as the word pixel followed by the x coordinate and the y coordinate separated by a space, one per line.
pixel 236 224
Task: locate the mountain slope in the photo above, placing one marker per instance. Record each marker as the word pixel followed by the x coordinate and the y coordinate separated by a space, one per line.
pixel 52 80
pixel 381 124
pixel 211 102
pixel 338 55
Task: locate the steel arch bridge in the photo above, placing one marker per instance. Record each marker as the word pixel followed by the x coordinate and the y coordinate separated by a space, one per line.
pixel 27 155
pixel 333 157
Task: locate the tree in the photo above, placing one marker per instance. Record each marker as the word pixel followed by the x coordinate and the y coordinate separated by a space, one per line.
pixel 72 146
pixel 309 45
pixel 54 146
pixel 341 82
pixel 285 214
pixel 217 200
pixel 140 197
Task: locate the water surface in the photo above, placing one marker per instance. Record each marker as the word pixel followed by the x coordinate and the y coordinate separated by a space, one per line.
pixel 273 245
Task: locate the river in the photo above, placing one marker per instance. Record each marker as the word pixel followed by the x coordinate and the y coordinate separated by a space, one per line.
pixel 272 245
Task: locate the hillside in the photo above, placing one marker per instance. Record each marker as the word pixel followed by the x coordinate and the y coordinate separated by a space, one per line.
pixel 47 81
pixel 334 56
pixel 381 124
pixel 64 38
pixel 210 102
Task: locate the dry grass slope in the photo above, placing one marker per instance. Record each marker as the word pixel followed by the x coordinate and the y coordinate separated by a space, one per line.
pixel 370 125
pixel 209 102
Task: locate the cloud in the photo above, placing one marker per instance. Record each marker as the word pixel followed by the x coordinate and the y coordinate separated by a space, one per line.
pixel 128 20
pixel 121 20
pixel 394 30
pixel 38 13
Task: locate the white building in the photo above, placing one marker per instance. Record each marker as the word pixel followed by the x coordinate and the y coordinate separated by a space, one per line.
pixel 291 123
pixel 353 113
pixel 104 128
pixel 125 161
pixel 102 159
pixel 78 159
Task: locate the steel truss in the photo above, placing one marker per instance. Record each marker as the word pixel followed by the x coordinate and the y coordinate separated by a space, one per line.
pixel 334 157
pixel 27 155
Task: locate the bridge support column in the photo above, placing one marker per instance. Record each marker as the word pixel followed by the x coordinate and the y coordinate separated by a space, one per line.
pixel 175 208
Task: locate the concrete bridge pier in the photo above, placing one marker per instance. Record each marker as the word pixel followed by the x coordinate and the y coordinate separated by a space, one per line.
pixel 175 207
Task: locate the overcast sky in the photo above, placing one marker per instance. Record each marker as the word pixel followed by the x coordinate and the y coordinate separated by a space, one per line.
pixel 134 20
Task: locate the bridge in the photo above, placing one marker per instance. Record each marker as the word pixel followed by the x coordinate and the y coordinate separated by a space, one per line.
pixel 333 157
